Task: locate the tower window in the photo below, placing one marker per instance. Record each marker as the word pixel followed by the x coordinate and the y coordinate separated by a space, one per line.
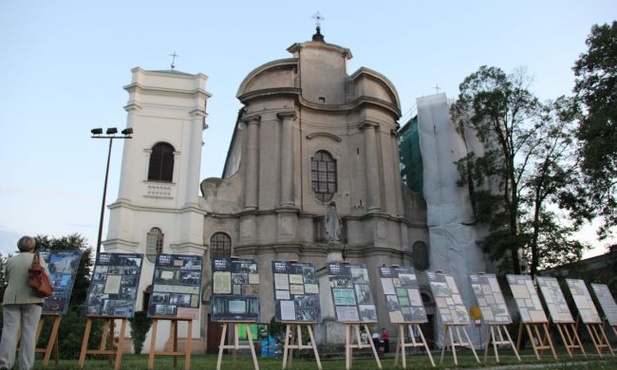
pixel 161 166
pixel 323 175
pixel 220 246
pixel 154 243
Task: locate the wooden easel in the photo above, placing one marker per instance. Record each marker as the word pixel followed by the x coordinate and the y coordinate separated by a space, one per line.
pixel 461 341
pixel 350 345
pixel 293 333
pixel 173 334
pixel 236 342
pixel 106 346
pixel 599 338
pixel 543 339
pixel 401 345
pixel 52 342
pixel 570 337
pixel 496 337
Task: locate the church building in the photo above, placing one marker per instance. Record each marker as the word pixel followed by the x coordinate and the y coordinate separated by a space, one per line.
pixel 312 174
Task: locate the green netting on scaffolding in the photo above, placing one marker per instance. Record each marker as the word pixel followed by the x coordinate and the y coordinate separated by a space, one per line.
pixel 411 158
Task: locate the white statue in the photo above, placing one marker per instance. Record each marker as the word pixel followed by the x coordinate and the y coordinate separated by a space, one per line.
pixel 333 224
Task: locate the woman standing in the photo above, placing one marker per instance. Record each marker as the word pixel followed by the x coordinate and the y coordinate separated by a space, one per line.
pixel 21 308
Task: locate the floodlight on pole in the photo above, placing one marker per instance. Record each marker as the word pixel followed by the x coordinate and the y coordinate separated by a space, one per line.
pixel 111 133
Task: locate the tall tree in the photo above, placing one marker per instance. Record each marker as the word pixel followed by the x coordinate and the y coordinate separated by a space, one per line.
pixel 552 168
pixel 496 107
pixel 520 169
pixel 596 90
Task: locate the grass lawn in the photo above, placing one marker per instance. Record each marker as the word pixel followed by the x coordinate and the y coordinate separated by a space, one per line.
pixel 415 361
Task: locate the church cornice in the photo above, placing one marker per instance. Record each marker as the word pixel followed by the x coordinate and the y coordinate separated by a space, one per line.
pixel 324 134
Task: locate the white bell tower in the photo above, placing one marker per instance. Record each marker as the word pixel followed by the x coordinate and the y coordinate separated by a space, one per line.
pixel 158 210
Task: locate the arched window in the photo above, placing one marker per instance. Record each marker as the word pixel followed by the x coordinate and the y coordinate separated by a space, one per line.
pixel 323 176
pixel 220 246
pixel 419 256
pixel 154 243
pixel 161 166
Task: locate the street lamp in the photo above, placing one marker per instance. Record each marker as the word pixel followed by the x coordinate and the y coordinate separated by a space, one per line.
pixel 111 134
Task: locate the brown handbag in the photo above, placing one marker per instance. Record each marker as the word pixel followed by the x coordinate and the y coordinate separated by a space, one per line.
pixel 39 280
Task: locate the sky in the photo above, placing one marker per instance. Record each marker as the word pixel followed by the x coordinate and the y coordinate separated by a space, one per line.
pixel 63 65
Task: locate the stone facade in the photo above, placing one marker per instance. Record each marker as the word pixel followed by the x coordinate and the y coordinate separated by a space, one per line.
pixel 265 201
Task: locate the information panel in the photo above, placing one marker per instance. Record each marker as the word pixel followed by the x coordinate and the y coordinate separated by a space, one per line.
pixel 176 286
pixel 62 266
pixel 351 293
pixel 235 290
pixel 296 292
pixel 555 300
pixel 607 302
pixel 449 302
pixel 584 304
pixel 490 299
pixel 403 298
pixel 113 289
pixel 527 299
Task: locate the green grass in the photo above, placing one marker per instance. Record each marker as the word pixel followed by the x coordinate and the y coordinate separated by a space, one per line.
pixel 415 361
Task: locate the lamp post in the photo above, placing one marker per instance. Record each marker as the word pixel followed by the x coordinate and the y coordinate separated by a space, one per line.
pixel 111 134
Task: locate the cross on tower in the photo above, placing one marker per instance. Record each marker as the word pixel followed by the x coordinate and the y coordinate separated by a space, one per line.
pixel 437 88
pixel 318 18
pixel 173 60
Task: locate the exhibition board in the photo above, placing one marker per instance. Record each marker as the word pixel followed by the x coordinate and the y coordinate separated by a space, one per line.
pixel 235 290
pixel 296 292
pixel 402 293
pixel 62 266
pixel 555 300
pixel 448 299
pixel 584 303
pixel 114 284
pixel 607 302
pixel 351 293
pixel 527 299
pixel 176 286
pixel 490 299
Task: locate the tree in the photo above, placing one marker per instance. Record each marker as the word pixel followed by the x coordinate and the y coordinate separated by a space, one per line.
pixel 552 168
pixel 520 170
pixel 596 91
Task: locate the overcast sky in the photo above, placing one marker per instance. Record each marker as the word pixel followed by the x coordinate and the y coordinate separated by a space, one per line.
pixel 63 65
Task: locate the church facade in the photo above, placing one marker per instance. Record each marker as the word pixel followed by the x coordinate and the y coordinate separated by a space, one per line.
pixel 312 174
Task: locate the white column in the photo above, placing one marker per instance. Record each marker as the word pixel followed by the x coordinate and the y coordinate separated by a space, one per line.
pixel 194 160
pixel 287 159
pixel 372 169
pixel 252 170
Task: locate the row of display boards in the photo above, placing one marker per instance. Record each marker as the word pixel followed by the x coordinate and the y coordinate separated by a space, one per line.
pixel 235 301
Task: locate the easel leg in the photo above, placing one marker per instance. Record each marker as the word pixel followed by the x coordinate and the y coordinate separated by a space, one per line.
pixel 118 360
pixel 428 351
pixel 314 345
pixel 348 346
pixel 84 343
pixel 400 346
pixel 366 329
pixel 248 332
pixel 470 344
pixel 53 341
pixel 445 344
pixel 286 345
pixel 174 340
pixel 222 343
pixel 189 344
pixel 155 324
